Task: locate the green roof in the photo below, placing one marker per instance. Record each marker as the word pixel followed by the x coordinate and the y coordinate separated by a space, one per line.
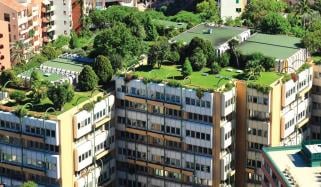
pixel 203 79
pixel 65 64
pixel 276 46
pixel 218 36
pixel 165 23
pixel 48 76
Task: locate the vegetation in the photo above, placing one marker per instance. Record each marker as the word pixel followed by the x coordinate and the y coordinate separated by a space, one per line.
pixel 18 96
pixel 187 68
pixel 60 94
pixel 87 79
pixel 103 69
pixel 159 53
pixel 29 184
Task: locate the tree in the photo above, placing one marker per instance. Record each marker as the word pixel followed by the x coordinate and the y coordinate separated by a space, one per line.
pixel 173 56
pixel 158 53
pixel 39 90
pixel 117 40
pixel 116 61
pixel 150 29
pixel 253 69
pixel 7 75
pixel 50 52
pixel 187 68
pixel 204 45
pixel 256 10
pixel 60 94
pixel 61 41
pixel 275 23
pixel 73 42
pixel 256 59
pixel 187 17
pixel 303 10
pixel 18 52
pixel 215 68
pixel 198 59
pixel 35 76
pixel 87 79
pixel 232 45
pixel 18 96
pixel 224 59
pixel 208 10
pixel 103 69
pixel 135 26
pixel 312 41
pixel 317 5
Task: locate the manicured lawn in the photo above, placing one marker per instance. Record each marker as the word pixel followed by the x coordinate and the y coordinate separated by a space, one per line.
pixel 203 78
pixel 168 24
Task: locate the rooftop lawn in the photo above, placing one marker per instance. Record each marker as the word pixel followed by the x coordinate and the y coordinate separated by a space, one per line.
pixel 168 24
pixel 218 36
pixel 276 46
pixel 65 64
pixel 203 78
pixel 49 77
pixel 78 98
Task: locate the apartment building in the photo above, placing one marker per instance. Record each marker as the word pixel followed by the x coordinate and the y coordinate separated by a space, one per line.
pixel 4 46
pixel 70 148
pixel 171 136
pixel 23 17
pixel 231 9
pixel 276 113
pixel 56 19
pixel 292 165
pixel 316 105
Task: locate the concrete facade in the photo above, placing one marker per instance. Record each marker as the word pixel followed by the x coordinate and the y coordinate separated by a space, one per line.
pixel 4 46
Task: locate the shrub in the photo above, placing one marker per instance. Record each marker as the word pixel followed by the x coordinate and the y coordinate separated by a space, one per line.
pixel 88 107
pixel 187 68
pixel 87 79
pixel 215 68
pixel 18 96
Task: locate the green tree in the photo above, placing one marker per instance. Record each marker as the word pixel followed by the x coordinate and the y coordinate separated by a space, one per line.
pixel 117 40
pixel 303 10
pixel 87 79
pixel 198 59
pixel 187 17
pixel 116 61
pixel 256 10
pixel 150 29
pixel 135 26
pixel 204 45
pixel 73 42
pixel 60 94
pixel 50 52
pixel 253 70
pixel 103 69
pixel 215 68
pixel 224 60
pixel 35 76
pixel 208 10
pixel 187 69
pixel 61 41
pixel 173 56
pixel 232 45
pixel 275 23
pixel 317 5
pixel 7 75
pixel 19 52
pixel 158 53
pixel 39 90
pixel 312 41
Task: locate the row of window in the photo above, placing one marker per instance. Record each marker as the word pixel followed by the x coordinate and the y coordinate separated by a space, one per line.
pixel 258 115
pixel 197 102
pixel 84 156
pixel 40 131
pixel 316 106
pixel 229 102
pixel 290 92
pixel 198 135
pixel 289 124
pixel 253 145
pixel 258 132
pixel 10 125
pixel 253 163
pixel 84 123
pixel 199 117
pixel 199 149
pixel 198 167
pixel 258 100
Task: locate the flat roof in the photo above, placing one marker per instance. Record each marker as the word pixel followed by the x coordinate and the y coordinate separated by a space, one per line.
pixel 203 78
pixel 275 46
pixel 289 161
pixel 314 148
pixel 66 64
pixel 218 36
pixel 47 76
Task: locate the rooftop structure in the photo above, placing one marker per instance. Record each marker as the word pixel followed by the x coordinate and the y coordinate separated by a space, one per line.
pixel 287 50
pixel 217 35
pixel 291 166
pixel 65 68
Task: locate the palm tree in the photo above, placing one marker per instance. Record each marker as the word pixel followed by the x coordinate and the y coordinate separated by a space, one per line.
pixel 232 45
pixel 303 10
pixel 18 52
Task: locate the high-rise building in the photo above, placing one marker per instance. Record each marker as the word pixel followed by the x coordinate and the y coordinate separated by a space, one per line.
pixel 272 113
pixel 56 19
pixel 23 18
pixel 4 46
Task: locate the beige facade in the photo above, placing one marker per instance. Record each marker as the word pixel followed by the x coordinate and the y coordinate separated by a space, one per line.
pixel 4 46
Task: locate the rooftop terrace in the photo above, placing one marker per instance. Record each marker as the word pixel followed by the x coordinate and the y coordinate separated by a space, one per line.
pixel 292 165
pixel 202 79
pixel 276 46
pixel 215 35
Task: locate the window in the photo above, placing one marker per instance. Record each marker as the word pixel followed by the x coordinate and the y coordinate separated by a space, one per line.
pixel 238 10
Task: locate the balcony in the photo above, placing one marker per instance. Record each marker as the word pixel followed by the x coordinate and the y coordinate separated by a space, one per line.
pixel 45 20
